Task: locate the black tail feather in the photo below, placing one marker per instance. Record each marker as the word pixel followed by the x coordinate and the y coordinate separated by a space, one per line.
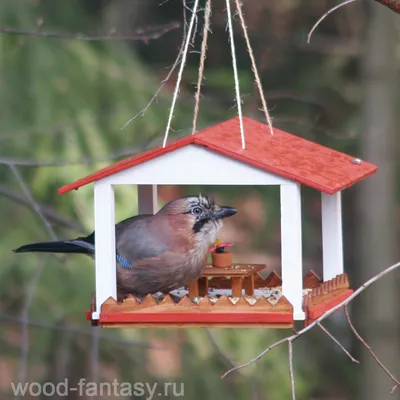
pixel 72 247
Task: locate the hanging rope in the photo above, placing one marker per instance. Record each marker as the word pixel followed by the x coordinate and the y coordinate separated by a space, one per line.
pixel 254 66
pixel 207 17
pixel 235 73
pixel 178 82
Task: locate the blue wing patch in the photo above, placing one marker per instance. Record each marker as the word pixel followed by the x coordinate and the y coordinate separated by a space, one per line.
pixel 123 262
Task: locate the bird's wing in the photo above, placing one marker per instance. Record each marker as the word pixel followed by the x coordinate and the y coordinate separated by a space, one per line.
pixel 138 238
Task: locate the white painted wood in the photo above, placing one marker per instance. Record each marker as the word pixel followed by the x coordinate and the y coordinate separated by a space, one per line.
pixel 332 236
pixel 194 165
pixel 291 238
pixel 104 213
pixel 147 199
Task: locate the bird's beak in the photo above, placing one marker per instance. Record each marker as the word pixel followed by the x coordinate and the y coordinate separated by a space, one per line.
pixel 223 212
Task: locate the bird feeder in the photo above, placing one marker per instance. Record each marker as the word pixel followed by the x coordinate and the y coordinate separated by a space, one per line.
pixel 281 159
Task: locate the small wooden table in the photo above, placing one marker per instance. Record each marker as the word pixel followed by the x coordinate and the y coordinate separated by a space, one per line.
pixel 241 277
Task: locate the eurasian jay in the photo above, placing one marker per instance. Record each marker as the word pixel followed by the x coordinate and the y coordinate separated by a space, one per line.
pixel 155 253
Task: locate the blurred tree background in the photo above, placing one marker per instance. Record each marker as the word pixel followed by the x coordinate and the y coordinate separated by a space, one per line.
pixel 63 102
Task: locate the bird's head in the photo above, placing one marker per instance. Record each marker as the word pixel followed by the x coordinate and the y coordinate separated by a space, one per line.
pixel 202 214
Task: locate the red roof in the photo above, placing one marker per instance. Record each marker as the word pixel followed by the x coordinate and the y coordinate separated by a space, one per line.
pixel 283 154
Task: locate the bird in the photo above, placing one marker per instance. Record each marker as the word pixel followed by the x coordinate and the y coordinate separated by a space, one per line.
pixel 157 252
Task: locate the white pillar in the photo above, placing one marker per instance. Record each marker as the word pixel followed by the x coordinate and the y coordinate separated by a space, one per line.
pixel 332 239
pixel 104 214
pixel 291 238
pixel 147 199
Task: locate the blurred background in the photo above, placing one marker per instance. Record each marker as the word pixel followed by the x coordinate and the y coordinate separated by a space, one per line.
pixel 63 101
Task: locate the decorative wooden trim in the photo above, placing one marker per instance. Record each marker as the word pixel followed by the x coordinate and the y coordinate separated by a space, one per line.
pixel 326 296
pixel 273 280
pixel 208 305
pixel 208 312
pixel 317 310
pixel 311 280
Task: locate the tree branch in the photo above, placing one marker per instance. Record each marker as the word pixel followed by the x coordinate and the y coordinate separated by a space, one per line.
pixel 143 34
pixel 291 373
pixel 46 210
pixel 368 347
pixel 293 337
pixel 339 344
pixel 325 15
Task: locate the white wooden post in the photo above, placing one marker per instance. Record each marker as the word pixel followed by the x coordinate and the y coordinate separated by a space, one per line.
pixel 104 214
pixel 332 239
pixel 147 199
pixel 291 238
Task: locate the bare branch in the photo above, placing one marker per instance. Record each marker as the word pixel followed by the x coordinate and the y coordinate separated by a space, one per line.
pixel 84 160
pixel 47 211
pixel 24 343
pixel 166 79
pixel 325 15
pixel 339 344
pixel 75 330
pixel 290 344
pixel 368 347
pixel 217 348
pixel 317 321
pixel 144 34
pixel 32 201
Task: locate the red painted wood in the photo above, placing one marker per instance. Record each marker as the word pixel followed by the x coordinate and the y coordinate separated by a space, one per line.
pixel 282 154
pixel 127 163
pixel 314 312
pixel 207 318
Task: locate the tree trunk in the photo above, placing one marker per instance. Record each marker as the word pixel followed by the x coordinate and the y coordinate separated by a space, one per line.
pixel 376 311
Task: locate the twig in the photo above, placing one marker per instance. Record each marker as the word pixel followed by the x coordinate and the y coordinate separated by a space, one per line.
pixel 85 160
pixel 185 23
pixel 32 201
pixel 235 73
pixel 207 15
pixel 32 288
pixel 166 79
pixel 325 15
pixel 338 343
pixel 74 330
pixel 291 373
pixel 183 62
pixel 47 211
pixel 140 34
pixel 317 321
pixel 368 347
pixel 27 301
pixel 217 349
pixel 254 66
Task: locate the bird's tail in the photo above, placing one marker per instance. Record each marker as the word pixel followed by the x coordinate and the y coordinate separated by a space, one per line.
pixel 77 246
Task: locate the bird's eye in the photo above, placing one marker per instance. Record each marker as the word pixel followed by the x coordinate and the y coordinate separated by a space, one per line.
pixel 196 210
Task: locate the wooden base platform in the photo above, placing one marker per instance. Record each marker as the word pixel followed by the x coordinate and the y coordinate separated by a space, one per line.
pixel 198 309
pixel 207 312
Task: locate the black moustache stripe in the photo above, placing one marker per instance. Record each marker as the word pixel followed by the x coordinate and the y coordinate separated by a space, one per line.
pixel 199 224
